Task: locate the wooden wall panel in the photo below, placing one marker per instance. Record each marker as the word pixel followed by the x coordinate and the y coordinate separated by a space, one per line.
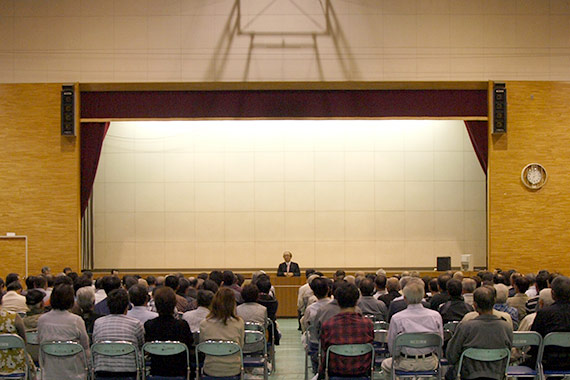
pixel 39 180
pixel 530 230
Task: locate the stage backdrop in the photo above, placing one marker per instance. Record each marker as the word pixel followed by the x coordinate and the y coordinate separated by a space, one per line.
pixel 341 193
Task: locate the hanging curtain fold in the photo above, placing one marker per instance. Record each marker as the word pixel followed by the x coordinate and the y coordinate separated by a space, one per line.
pixel 478 134
pixel 92 136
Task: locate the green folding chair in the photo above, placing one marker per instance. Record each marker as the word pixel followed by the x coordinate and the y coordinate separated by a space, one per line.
pixel 524 340
pixel 115 349
pixel 255 350
pixel 61 353
pixel 14 343
pixel 417 341
pixel 559 339
pixel 485 355
pixel 350 350
pixel 313 348
pixel 165 348
pixel 449 329
pixel 219 348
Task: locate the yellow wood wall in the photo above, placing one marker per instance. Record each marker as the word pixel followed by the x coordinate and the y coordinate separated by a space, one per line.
pixel 39 180
pixel 531 230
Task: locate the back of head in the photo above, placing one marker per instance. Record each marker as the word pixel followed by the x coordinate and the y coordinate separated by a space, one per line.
pixel 216 276
pixel 347 295
pixel 458 275
pixel 129 281
pixel 14 286
pixel 320 287
pixel 264 285
pixel 165 301
pixel 484 298
pixel 228 278
pixel 138 295
pixel 350 279
pixel 469 285
pixel 339 274
pixel 545 297
pixel 502 293
pixel 522 283
pixel 433 287
pixel 250 293
pixel 210 285
pixel 542 280
pixel 172 282
pixel 118 301
pixel 30 280
pixel 381 272
pixel 380 281
pixel 393 284
pixel 404 280
pixel 40 282
pixel 414 291
pixel 62 297
pixel 454 287
pixel 183 285
pixel 442 281
pixel 223 305
pixel 34 298
pixel 85 298
pixel 366 287
pixel 110 283
pixel 62 280
pixel 151 280
pixel 309 272
pixel 11 277
pixel 205 298
pixel 561 288
pixel 81 282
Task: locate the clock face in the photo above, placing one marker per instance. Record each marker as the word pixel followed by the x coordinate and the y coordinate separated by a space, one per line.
pixel 534 176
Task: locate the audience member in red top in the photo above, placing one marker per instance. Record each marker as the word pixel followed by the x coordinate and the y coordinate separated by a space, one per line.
pixel 347 327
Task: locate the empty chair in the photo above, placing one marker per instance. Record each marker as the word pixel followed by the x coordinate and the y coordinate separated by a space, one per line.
pixel 350 350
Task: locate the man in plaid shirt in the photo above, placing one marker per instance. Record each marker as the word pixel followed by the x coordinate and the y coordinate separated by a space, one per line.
pixel 347 327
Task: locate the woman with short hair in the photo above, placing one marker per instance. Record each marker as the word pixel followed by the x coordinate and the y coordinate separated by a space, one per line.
pixel 223 324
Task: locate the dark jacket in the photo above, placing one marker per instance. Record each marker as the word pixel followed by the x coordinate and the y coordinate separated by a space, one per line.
pixel 454 309
pixel 555 317
pixel 293 267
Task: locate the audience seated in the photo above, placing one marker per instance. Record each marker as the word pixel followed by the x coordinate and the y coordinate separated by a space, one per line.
pixel 117 326
pixel 346 327
pixel 392 291
pixel 229 280
pixel 11 323
pixel 108 283
pixel 469 285
pixel 303 294
pixel 250 310
pixel 138 295
pixel 443 296
pixel 13 300
pixel 380 285
pixel 223 323
pixel 414 319
pixel 321 289
pixel 519 300
pixel 271 304
pixel 544 299
pixel 86 304
pixel 501 314
pixel 541 282
pixel 485 331
pixel 183 288
pixel 368 304
pixel 456 307
pixel 194 317
pixel 60 324
pixel 501 304
pixel 555 317
pixel 166 328
pixel 182 304
pixel 35 303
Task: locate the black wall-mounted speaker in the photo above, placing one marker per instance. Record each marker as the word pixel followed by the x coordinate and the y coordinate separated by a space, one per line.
pixel 67 111
pixel 443 263
pixel 499 108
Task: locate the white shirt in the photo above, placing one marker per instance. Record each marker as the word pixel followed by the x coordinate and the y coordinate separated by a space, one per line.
pixel 194 317
pixel 414 319
pixel 142 313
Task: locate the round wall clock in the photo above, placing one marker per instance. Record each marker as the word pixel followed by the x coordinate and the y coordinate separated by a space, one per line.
pixel 534 176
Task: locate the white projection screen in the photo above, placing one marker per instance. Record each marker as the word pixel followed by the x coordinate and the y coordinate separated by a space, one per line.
pixel 337 193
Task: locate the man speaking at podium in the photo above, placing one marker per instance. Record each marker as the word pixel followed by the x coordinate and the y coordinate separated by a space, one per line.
pixel 288 268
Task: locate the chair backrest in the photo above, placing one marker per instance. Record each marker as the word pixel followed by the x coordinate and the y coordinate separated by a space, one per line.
pixel 417 340
pixel 351 350
pixel 218 348
pixel 32 337
pixel 526 338
pixel 560 339
pixel 381 325
pixel 254 326
pixel 63 349
pixel 449 329
pixel 486 355
pixel 114 349
pixel 166 348
pixel 15 342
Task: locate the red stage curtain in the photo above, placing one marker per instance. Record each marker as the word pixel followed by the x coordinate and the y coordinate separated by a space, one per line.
pixel 478 133
pixel 92 136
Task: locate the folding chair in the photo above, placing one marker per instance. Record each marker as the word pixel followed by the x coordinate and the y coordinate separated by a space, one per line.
pixel 485 355
pixel 115 349
pixel 313 348
pixel 272 330
pixel 165 348
pixel 449 330
pixel 219 348
pixel 417 340
pixel 522 340
pixel 350 350
pixel 60 353
pixel 380 342
pixel 560 339
pixel 254 357
pixel 33 346
pixel 16 343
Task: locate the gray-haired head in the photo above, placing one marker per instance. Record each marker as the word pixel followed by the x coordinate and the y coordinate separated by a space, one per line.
pixel 414 290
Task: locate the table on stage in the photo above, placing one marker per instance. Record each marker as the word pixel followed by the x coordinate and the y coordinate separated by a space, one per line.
pixel 286 291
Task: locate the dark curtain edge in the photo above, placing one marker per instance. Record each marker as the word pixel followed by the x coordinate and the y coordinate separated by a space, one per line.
pixel 478 134
pixel 92 137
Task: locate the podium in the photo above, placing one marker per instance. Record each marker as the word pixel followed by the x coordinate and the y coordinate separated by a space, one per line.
pixel 286 291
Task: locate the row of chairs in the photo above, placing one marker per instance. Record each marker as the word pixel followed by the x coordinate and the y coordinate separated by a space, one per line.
pixel 254 355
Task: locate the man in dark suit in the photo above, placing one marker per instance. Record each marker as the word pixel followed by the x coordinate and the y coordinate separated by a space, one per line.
pixel 288 268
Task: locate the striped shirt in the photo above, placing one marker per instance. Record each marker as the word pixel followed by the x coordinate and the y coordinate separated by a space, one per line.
pixel 117 327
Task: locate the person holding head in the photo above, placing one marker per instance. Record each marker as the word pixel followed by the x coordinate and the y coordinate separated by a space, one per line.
pixel 138 295
pixel 223 323
pixel 485 331
pixel 414 319
pixel 167 328
pixel 346 327
pixel 555 317
pixel 61 324
pixel 117 326
pixel 194 317
pixel 288 268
